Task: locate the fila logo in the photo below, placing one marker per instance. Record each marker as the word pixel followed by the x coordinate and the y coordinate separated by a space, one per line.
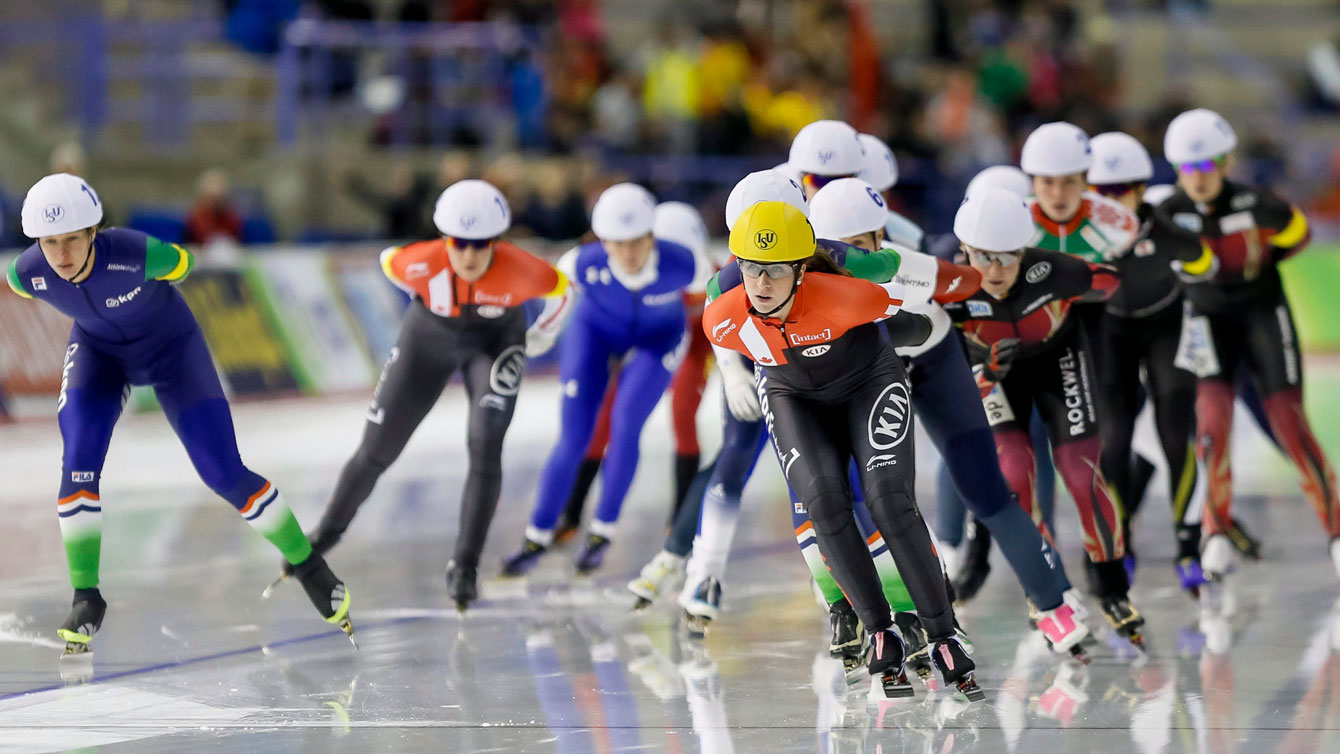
pixel 39 284
pixel 81 476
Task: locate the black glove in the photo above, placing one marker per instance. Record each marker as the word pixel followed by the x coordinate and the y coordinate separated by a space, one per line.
pixel 999 359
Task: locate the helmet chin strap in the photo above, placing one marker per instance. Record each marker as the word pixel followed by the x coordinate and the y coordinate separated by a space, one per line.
pixel 87 258
pixel 795 284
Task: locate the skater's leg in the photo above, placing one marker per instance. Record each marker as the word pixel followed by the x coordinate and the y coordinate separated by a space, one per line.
pixel 411 381
pixel 644 378
pixel 950 512
pixel 1214 422
pixel 93 392
pixel 895 591
pixel 1173 393
pixel 1044 485
pixel 492 402
pixel 590 468
pixel 686 394
pixel 1119 400
pixel 741 444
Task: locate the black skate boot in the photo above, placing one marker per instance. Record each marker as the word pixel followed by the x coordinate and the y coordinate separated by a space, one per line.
pixel 976 565
pixel 322 542
pixel 1125 619
pixel 326 592
pixel 84 621
pixel 956 668
pixel 521 561
pixel 462 584
pixel 886 659
pixel 846 642
pixel 914 637
pixel 592 554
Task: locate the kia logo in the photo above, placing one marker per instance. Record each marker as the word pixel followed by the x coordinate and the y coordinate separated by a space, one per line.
pixel 765 239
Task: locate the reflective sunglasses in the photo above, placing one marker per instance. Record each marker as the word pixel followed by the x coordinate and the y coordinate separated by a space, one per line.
pixel 1002 258
pixel 1114 190
pixel 817 182
pixel 776 271
pixel 1201 166
pixel 479 244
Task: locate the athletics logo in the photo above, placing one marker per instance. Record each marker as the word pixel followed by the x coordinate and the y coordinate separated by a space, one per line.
pixel 53 213
pixel 765 239
pixel 505 376
pixel 890 418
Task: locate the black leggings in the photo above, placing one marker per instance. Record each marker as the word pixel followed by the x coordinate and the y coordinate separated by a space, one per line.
pixel 430 349
pixel 1126 345
pixel 817 433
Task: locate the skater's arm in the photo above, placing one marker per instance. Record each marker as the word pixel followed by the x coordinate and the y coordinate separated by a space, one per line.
pixel 166 261
pixel 12 276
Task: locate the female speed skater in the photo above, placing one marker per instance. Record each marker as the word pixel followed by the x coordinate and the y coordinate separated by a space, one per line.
pixel 1240 321
pixel 679 223
pixel 630 305
pixel 832 391
pixel 131 327
pixel 468 291
pixel 1028 350
pixel 1142 327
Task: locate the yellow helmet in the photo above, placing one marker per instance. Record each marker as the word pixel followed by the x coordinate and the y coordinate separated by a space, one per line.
pixel 770 232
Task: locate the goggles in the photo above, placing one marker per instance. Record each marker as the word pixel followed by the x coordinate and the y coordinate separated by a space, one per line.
pixel 479 244
pixel 1201 166
pixel 776 271
pixel 1002 258
pixel 1114 190
pixel 817 182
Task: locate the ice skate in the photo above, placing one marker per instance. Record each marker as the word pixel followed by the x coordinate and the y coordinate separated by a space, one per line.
pixel 976 566
pixel 520 562
pixel 887 662
pixel 664 574
pixel 1063 630
pixel 914 641
pixel 703 607
pixel 956 668
pixel 1125 619
pixel 86 612
pixel 1190 575
pixel 321 542
pixel 462 584
pixel 1216 557
pixel 846 642
pixel 1243 541
pixel 592 554
pixel 326 592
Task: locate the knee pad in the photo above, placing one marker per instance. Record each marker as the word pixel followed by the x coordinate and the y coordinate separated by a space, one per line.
pixel 895 510
pixel 829 504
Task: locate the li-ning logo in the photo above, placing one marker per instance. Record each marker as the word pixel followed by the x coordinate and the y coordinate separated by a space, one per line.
pixel 765 239
pixel 825 155
pixel 416 270
pixel 53 213
pixel 124 298
pixel 722 329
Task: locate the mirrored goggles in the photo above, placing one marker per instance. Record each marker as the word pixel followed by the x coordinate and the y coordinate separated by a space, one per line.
pixel 1002 258
pixel 776 271
pixel 1200 166
pixel 478 244
pixel 817 182
pixel 1114 190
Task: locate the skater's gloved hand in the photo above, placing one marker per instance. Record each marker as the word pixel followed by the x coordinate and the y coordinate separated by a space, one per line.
pixel 539 341
pixel 999 359
pixel 1185 274
pixel 738 384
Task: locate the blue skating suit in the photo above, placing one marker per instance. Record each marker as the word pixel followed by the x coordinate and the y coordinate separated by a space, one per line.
pixel 645 328
pixel 131 327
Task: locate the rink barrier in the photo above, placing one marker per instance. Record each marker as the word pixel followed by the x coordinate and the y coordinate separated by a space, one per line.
pixel 319 320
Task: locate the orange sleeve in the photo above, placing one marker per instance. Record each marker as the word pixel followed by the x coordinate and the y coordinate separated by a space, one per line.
pixel 955 282
pixel 396 264
pixel 530 276
pixel 723 318
pixel 850 302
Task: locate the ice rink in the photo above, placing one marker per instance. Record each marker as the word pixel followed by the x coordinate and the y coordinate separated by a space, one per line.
pixel 190 657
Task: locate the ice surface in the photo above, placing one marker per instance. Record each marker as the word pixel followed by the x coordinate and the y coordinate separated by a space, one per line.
pixel 191 658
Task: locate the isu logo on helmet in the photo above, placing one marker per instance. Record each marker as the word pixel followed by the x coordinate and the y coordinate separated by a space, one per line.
pixel 1113 162
pixel 469 221
pixel 627 218
pixel 825 155
pixel 53 213
pixel 765 239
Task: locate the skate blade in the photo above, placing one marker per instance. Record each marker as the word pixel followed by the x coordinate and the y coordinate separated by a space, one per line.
pixel 1079 654
pixel 697 625
pixel 641 604
pixel 896 686
pixel 76 667
pixel 923 671
pixel 76 649
pixel 347 627
pixel 970 690
pixel 270 590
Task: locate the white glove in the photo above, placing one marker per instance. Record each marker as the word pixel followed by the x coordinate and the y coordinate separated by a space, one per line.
pixel 538 342
pixel 741 393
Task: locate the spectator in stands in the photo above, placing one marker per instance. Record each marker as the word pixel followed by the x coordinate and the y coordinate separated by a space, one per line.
pixel 213 215
pixel 404 208
pixel 555 211
pixel 69 157
pixel 671 87
pixel 618 118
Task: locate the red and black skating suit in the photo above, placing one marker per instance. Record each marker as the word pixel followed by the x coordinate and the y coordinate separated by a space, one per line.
pixel 1241 322
pixel 1051 369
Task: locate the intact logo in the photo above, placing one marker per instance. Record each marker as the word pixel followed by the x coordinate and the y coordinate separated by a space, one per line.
pixel 505 376
pixel 485 298
pixel 979 309
pixel 1038 272
pixel 416 270
pixel 81 476
pixel 53 213
pixel 890 417
pixel 39 284
pixel 765 239
pixel 722 329
pixel 125 298
pixel 814 351
pixel 800 340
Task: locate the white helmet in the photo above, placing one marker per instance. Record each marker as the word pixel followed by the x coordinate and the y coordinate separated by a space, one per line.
pixel 1197 135
pixel 680 223
pixel 878 168
pixel 994 219
pixel 473 210
pixel 788 170
pixel 1007 177
pixel 764 186
pixel 847 207
pixel 1159 193
pixel 826 147
pixel 60 203
pixel 623 212
pixel 1058 148
pixel 1119 158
